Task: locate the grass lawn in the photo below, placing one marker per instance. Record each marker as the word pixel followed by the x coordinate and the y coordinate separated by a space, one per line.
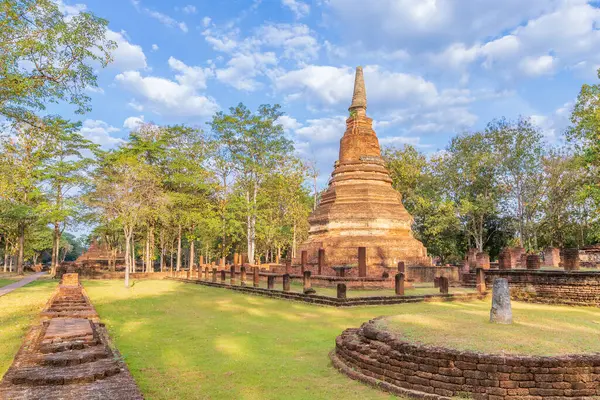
pixel 537 329
pixel 18 310
pixel 7 281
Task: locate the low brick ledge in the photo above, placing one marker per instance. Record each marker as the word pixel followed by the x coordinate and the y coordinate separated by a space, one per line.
pixel 382 359
pixel 333 301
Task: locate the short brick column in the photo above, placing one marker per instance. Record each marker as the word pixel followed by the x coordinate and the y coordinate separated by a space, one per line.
pixel 341 290
pixel 533 261
pixel 571 259
pixel 270 282
pixel 232 274
pixel 444 285
pixel 201 260
pixel 255 277
pixel 214 275
pixel 321 261
pixel 242 276
pixel 223 276
pixel 307 284
pixel 401 267
pixel 189 273
pixel 303 261
pixel 480 279
pixel 399 284
pixel 505 259
pixel 286 282
pixel 206 273
pixel 362 262
pixel 483 260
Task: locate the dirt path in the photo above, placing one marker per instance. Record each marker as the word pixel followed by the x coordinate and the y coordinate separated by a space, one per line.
pixel 9 288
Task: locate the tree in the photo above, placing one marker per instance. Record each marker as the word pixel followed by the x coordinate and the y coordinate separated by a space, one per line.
pixel 584 133
pixel 518 146
pixel 46 56
pixel 257 145
pixel 66 171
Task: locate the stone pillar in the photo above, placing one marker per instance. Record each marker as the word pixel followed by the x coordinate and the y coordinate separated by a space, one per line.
pixel 288 266
pixel 399 284
pixel 472 258
pixel 505 259
pixel 444 285
pixel 303 261
pixel 571 259
pixel 523 261
pixel 483 260
pixel 255 277
pixel 270 282
pixel 286 282
pixel 515 255
pixel 222 276
pixel 401 267
pixel 206 273
pixel 533 261
pixel 341 290
pixel 188 273
pixel 232 274
pixel 214 276
pixel 321 261
pixel 307 284
pixel 480 275
pixel 236 259
pixel 551 257
pixel 362 262
pixel 222 262
pixel 201 260
pixel 242 276
pixel 501 312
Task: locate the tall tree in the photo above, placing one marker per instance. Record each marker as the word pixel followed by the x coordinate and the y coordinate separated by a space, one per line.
pixel 46 56
pixel 257 145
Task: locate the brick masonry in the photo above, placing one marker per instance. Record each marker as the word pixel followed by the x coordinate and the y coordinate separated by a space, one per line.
pixel 556 287
pixel 333 301
pixel 380 358
pixel 68 355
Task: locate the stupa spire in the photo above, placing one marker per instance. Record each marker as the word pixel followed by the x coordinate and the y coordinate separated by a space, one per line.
pixel 359 97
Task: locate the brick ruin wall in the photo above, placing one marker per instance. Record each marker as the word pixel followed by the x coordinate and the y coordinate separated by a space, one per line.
pixel 558 287
pixel 379 358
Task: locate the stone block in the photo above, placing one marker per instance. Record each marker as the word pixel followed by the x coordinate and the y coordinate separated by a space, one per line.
pixel 501 311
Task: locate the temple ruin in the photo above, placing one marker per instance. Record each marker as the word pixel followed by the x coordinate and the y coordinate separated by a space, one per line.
pixel 360 208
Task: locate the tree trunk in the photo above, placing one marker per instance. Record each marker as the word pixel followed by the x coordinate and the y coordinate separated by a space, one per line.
pixel 21 249
pixel 6 256
pixel 179 247
pixel 192 256
pixel 127 255
pixel 132 253
pixel 294 241
pixel 148 251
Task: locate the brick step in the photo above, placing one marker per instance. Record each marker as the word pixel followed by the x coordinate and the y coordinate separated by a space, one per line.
pixel 66 346
pixel 74 357
pixel 48 375
pixel 70 302
pixel 69 308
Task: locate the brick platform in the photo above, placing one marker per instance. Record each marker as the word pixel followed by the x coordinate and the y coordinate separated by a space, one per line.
pixel 67 356
pixel 384 360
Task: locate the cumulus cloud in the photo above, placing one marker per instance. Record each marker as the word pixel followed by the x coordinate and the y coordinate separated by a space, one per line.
pixel 189 9
pixel 179 97
pixel 155 47
pixel 160 17
pixel 126 56
pixel 299 8
pixel 132 123
pixel 100 132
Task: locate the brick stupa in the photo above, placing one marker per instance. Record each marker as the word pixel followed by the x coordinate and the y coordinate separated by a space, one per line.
pixel 360 208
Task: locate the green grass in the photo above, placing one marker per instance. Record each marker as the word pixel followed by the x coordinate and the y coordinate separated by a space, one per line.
pixel 536 329
pixel 185 341
pixel 18 310
pixel 7 281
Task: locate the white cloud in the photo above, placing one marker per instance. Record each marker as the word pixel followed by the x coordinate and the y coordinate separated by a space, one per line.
pixel 167 97
pixel 299 8
pixel 206 22
pixel 136 106
pixel 132 123
pixel 322 130
pixel 160 17
pixel 99 132
pixel 554 124
pixel 189 9
pixel 297 41
pixel 126 56
pixel 288 123
pixel 535 66
pixel 241 70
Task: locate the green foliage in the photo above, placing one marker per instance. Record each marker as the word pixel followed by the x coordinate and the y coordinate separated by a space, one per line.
pixel 46 56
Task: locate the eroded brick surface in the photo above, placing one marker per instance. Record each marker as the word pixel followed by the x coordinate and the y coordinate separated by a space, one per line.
pixel 67 356
pixel 375 356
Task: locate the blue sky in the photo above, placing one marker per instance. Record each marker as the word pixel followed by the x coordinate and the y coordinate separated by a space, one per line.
pixel 433 68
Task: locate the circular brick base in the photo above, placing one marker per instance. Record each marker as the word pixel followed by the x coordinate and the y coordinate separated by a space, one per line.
pixel 380 358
